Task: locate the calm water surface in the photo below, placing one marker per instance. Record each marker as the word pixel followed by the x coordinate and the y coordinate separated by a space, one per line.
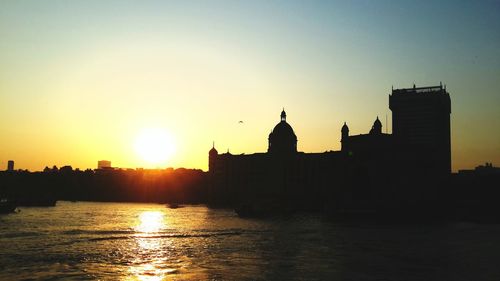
pixel 116 241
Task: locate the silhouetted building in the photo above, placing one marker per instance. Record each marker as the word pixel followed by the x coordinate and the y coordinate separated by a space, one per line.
pixel 374 141
pixel 372 170
pixel 486 169
pixel 103 164
pixel 421 119
pixel 282 139
pixel 10 165
pixel 212 155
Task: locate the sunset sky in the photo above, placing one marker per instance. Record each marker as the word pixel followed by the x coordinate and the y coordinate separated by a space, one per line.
pixel 80 80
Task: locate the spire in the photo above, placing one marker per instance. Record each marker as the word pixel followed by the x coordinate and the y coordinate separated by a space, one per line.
pixel 213 151
pixel 283 115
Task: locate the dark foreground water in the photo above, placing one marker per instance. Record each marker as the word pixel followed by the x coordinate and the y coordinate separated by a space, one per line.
pixel 114 241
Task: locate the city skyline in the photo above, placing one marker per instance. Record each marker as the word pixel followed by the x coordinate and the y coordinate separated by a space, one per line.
pixel 79 82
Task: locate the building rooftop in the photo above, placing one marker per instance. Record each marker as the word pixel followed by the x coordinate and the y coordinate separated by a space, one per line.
pixel 415 90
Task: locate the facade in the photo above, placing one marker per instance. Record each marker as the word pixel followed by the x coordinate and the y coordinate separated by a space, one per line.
pixel 421 117
pixel 368 172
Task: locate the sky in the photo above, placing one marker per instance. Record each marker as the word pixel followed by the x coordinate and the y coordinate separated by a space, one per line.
pixel 80 80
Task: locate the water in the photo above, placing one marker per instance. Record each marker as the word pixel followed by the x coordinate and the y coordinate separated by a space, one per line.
pixel 117 241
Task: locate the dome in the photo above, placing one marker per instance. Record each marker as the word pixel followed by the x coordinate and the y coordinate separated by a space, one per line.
pixel 283 130
pixel 377 127
pixel 213 151
pixel 282 139
pixel 345 128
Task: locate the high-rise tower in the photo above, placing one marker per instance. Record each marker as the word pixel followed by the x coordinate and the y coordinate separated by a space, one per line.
pixel 421 120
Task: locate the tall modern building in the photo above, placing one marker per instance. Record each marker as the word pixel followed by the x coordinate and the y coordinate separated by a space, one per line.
pixel 421 119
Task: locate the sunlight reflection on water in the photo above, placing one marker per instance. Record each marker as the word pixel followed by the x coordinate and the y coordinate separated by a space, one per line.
pixel 150 221
pixel 149 261
pixel 118 241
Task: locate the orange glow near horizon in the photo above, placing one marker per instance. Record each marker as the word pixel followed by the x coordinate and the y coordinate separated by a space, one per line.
pixel 78 81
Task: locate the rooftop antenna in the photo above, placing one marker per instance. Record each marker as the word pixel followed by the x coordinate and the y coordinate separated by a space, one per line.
pixel 213 144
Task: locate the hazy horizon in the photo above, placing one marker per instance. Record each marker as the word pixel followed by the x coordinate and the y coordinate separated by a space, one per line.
pixel 79 81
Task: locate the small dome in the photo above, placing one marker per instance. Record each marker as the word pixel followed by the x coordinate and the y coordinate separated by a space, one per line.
pixel 377 127
pixel 213 151
pixel 345 128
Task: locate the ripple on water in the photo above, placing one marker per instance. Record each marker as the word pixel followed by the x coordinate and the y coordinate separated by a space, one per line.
pixel 110 241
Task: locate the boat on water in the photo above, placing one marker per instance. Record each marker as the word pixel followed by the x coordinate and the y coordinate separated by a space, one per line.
pixel 7 207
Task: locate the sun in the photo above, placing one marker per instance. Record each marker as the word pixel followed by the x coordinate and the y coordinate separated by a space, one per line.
pixel 155 146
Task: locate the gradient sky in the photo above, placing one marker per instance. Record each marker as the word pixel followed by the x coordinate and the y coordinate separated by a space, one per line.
pixel 80 79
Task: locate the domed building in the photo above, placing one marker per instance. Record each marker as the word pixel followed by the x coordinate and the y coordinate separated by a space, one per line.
pixel 368 171
pixel 282 140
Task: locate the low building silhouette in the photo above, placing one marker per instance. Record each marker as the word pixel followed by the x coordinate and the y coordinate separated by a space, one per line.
pixel 103 164
pixel 371 171
pixel 10 165
pixel 486 169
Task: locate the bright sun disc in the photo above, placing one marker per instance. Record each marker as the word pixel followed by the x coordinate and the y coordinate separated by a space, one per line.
pixel 154 146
